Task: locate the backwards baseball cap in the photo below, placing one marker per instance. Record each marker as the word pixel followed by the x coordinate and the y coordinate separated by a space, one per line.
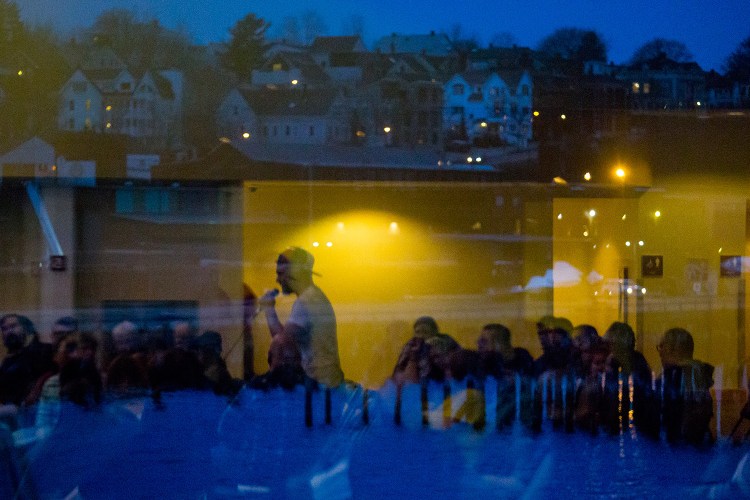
pixel 299 258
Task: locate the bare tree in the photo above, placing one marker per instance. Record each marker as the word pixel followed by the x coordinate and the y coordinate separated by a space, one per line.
pixel 672 49
pixel 290 30
pixel 354 25
pixel 503 39
pixel 313 26
pixel 574 44
pixel 737 65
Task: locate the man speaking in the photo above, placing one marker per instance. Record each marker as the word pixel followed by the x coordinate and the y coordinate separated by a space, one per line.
pixel 312 322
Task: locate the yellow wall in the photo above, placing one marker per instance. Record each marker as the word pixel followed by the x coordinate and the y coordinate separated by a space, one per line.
pixel 699 220
pixel 396 253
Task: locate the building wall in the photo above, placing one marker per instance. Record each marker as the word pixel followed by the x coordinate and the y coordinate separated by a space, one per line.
pixel 389 253
pixel 689 225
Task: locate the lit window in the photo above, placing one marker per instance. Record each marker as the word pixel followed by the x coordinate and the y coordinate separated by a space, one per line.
pixel 278 67
pixel 646 88
pixel 636 88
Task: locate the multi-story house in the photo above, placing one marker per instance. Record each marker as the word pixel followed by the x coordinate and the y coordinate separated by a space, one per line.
pixel 290 116
pixel 489 108
pixel 147 107
pixel 288 70
pixel 339 57
pixel 406 101
pixel 81 105
pixel 661 83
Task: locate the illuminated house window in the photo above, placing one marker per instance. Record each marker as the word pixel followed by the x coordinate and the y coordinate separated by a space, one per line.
pixel 646 88
pixel 636 88
pixel 278 67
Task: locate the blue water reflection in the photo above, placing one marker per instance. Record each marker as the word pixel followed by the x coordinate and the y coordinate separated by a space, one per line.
pixel 193 444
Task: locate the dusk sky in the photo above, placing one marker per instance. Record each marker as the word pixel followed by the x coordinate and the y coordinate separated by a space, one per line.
pixel 711 30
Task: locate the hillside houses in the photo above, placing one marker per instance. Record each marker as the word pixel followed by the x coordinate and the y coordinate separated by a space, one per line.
pixel 491 107
pixel 285 116
pixel 103 95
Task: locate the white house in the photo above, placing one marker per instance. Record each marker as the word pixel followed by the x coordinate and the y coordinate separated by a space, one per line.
pixel 494 104
pixel 113 100
pixel 284 116
pixel 81 105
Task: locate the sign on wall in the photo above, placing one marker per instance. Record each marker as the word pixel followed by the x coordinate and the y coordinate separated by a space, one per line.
pixel 652 266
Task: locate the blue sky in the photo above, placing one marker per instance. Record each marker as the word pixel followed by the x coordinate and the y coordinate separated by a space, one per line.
pixel 711 30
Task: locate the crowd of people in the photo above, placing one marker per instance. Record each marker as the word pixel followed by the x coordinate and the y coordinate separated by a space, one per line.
pixel 129 376
pixel 581 380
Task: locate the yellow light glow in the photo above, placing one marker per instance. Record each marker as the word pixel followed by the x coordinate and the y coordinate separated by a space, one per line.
pixel 108 108
pixel 620 172
pixel 587 176
pixel 340 226
pixel 643 291
pixel 592 213
pixel 627 243
pixel 657 214
pixel 360 133
pixel 559 216
pixel 586 233
pixel 246 135
pixel 393 227
pixel 54 168
pixel 698 104
pixel 316 244
pixel 483 124
pixel 387 130
pixel 641 243
pixel 295 82
pixel 536 113
pixel 563 117
pixel 720 249
pixel 469 159
pixel 20 72
pixel 559 180
pixel 479 159
pixel 624 216
pixel 329 244
pixel 109 125
pixel 630 290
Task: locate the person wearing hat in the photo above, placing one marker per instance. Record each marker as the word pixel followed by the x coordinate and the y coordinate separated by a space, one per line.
pixel 311 323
